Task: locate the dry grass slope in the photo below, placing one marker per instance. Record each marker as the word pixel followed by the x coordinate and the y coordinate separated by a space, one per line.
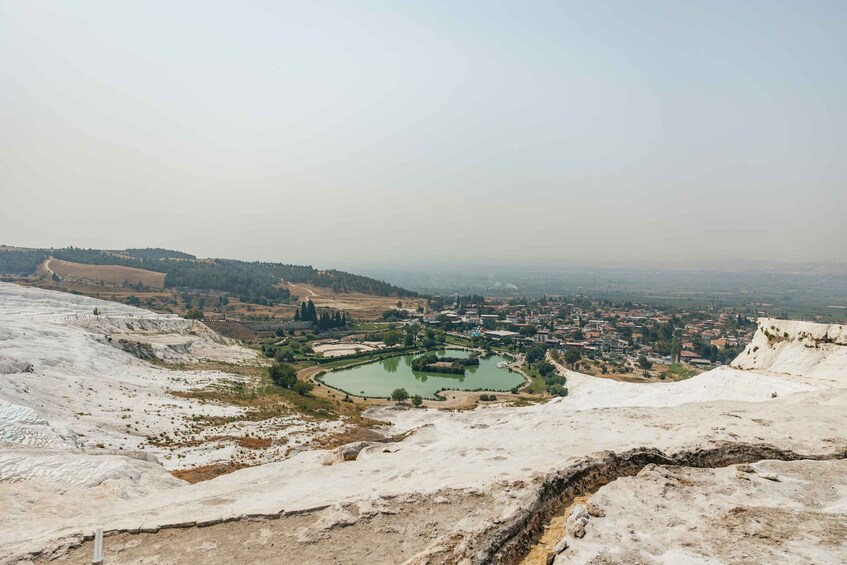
pixel 110 274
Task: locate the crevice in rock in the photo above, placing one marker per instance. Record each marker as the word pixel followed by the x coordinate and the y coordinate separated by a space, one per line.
pixel 509 542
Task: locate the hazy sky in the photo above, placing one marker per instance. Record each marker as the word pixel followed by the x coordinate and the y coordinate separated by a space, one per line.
pixel 322 132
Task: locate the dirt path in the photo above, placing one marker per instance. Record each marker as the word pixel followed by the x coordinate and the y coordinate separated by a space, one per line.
pixel 309 290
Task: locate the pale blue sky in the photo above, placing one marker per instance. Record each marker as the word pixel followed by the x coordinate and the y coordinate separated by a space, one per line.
pixel 324 132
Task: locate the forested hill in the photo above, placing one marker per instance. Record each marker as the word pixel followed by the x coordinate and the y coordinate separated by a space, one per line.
pixel 247 280
pixel 158 253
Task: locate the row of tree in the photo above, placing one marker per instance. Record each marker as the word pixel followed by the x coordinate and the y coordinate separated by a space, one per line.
pixel 326 320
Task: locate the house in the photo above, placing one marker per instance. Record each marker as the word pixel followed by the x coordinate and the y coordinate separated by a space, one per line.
pixel 687 356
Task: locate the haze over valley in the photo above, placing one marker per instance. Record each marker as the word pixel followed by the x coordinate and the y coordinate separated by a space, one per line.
pixel 427 283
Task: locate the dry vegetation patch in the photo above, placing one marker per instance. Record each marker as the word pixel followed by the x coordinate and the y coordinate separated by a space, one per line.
pixel 109 274
pixel 207 472
pixel 361 306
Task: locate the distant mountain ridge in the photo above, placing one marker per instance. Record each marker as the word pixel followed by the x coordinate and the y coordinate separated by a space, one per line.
pixel 249 281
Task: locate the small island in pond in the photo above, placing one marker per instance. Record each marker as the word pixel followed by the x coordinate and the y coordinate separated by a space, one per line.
pixel 432 363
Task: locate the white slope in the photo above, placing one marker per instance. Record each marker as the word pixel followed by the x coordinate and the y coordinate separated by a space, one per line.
pixel 65 383
pixel 722 383
pixel 807 351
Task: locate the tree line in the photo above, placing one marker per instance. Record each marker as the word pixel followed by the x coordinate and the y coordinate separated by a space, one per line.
pixel 326 320
pixel 23 262
pixel 156 253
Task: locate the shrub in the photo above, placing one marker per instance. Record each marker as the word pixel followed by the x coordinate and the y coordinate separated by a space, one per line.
pixel 417 400
pixel 302 387
pixel 284 354
pixel 558 390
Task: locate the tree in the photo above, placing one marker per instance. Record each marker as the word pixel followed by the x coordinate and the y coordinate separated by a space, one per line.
pixel 417 400
pixel 535 353
pixel 572 356
pixel 284 354
pixel 644 363
pixel 676 350
pixel 96 312
pixel 544 368
pixel 311 311
pixel 302 387
pixel 399 395
pixel 392 338
pixel 297 315
pixel 194 314
pixel 283 375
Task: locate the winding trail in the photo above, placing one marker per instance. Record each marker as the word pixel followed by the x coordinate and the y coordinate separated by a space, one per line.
pixel 309 290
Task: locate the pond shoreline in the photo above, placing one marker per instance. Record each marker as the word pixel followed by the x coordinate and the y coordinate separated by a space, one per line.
pixel 435 395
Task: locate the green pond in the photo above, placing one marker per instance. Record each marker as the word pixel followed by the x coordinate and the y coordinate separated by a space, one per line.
pixel 379 378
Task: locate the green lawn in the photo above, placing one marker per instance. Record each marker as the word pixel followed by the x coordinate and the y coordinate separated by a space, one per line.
pixel 682 371
pixel 536 383
pixel 460 341
pixel 367 326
